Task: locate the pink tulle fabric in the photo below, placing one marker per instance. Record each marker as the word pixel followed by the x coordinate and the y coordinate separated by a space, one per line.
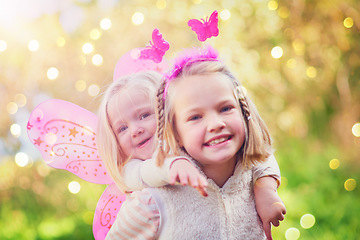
pixel 187 58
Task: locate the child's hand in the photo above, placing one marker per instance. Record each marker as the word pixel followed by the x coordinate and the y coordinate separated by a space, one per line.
pixel 183 172
pixel 268 204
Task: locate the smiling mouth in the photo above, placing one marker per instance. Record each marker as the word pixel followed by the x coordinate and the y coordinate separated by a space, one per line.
pixel 217 141
pixel 141 144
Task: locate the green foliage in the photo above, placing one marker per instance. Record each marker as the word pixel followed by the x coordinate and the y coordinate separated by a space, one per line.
pixel 41 207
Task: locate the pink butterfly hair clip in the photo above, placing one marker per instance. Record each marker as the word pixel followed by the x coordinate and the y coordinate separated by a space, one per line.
pixel 205 28
pixel 157 47
pixel 188 58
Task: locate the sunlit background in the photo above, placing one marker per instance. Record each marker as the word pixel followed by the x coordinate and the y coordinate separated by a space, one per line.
pixel 299 60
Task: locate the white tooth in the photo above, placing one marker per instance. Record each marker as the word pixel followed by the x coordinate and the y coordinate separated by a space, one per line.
pixel 216 141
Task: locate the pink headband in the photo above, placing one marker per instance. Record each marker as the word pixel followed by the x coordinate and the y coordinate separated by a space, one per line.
pixel 188 58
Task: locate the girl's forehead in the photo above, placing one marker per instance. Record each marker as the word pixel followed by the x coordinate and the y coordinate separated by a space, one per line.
pixel 200 88
pixel 201 81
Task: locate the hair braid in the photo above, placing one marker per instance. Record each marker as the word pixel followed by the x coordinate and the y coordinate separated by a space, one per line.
pixel 245 108
pixel 160 123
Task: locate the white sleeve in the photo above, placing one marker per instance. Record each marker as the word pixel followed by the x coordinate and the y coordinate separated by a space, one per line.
pixel 269 168
pixel 139 174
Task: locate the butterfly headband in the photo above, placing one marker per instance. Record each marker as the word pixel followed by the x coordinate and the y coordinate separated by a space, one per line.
pixel 187 59
pixel 149 58
pixel 204 29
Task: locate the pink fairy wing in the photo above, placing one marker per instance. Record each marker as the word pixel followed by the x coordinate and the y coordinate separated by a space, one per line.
pixel 64 133
pixel 106 211
pixel 130 63
pixel 199 28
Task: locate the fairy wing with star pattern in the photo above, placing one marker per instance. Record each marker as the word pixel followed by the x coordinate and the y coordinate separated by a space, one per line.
pixel 106 211
pixel 64 133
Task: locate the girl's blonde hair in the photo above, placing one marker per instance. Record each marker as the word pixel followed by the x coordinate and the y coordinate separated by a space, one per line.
pixel 257 146
pixel 110 152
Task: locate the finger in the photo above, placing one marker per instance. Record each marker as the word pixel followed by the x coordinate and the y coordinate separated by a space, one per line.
pixel 173 178
pixel 193 181
pixel 276 223
pixel 203 182
pixel 267 229
pixel 184 179
pixel 202 191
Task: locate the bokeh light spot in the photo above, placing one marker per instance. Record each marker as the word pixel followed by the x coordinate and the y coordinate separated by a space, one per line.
pixel 43 170
pixel 88 217
pixel 291 63
pixel 161 4
pixel 298 46
pixel 105 23
pixel 284 12
pixel 356 130
pixel 15 130
pixel 80 86
pixel 276 52
pixel 138 18
pixel 21 159
pixel 292 234
pixel 52 73
pixel 97 60
pixel 348 22
pixel 350 184
pixel 225 15
pixel 273 5
pixel 307 221
pixel 87 48
pixel 50 138
pixel 74 187
pixel 12 108
pixel 33 46
pixel 60 41
pixel 311 72
pixel 93 90
pixel 334 163
pixel 38 114
pixel 135 53
pixel 3 45
pixel 95 34
pixel 20 99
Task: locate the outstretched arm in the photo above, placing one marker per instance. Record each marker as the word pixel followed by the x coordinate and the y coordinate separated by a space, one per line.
pixel 138 174
pixel 269 205
pixel 185 173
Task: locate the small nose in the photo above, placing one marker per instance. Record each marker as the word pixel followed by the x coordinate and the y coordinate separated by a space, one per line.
pixel 215 123
pixel 138 131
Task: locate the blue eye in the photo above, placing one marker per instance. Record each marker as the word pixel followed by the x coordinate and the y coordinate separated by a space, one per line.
pixel 226 109
pixel 122 129
pixel 145 115
pixel 195 117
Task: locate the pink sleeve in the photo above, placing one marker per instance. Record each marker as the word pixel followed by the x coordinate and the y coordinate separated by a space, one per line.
pixel 138 218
